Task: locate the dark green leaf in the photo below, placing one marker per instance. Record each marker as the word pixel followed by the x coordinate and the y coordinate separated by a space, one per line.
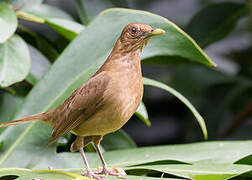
pixel 215 22
pixel 8 22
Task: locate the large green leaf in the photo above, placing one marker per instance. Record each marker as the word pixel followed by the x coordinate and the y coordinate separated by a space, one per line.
pixel 8 106
pixel 39 66
pixel 58 175
pixel 215 22
pixel 8 22
pixel 14 61
pixel 197 172
pixel 200 171
pixel 207 160
pixel 80 60
pixel 197 115
pixel 196 153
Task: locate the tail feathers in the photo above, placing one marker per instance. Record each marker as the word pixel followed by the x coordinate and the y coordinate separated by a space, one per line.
pixel 35 117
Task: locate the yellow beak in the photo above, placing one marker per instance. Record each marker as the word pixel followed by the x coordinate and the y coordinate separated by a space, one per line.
pixel 157 32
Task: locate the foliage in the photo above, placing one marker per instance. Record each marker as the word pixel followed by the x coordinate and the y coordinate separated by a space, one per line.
pixel 64 64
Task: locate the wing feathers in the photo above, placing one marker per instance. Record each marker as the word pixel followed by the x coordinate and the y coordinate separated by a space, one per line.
pixel 80 106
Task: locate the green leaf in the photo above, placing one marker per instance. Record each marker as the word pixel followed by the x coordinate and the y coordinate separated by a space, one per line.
pixel 68 29
pixel 142 114
pixel 206 28
pixel 8 22
pixel 79 61
pixel 197 172
pixel 8 106
pixel 219 152
pixel 200 171
pixel 199 118
pixel 14 61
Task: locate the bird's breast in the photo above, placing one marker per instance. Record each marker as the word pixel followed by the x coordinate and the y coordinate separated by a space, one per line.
pixel 122 98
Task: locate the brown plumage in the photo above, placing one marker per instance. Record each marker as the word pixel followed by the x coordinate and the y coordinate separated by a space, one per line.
pixel 105 102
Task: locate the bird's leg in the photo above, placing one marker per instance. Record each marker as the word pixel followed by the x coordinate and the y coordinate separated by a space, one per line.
pixel 105 169
pixel 89 172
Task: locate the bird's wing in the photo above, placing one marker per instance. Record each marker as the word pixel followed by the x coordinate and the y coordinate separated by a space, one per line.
pixel 80 106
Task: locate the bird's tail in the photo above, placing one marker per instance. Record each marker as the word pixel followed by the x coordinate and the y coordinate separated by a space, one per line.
pixel 35 117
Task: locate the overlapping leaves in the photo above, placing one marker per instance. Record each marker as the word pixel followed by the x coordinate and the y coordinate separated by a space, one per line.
pixel 75 66
pixel 208 160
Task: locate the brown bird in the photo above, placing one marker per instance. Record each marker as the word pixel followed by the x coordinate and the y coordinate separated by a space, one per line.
pixel 105 102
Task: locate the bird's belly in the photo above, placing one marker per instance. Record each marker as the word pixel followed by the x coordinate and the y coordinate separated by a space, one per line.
pixel 112 116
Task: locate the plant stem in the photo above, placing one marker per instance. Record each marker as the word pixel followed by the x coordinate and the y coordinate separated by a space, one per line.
pixel 29 17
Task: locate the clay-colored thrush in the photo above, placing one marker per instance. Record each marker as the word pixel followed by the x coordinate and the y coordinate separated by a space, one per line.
pixel 105 102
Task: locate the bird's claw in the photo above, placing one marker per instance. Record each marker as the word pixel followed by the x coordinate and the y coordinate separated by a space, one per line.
pixel 93 175
pixel 112 172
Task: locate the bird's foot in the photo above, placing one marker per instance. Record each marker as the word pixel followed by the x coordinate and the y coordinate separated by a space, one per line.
pixel 112 172
pixel 93 175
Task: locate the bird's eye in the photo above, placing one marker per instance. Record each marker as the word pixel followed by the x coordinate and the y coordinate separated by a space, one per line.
pixel 133 30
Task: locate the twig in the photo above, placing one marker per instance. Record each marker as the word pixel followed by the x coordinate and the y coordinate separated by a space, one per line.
pixel 239 119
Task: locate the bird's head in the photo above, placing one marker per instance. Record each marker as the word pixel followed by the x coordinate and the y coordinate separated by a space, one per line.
pixel 136 35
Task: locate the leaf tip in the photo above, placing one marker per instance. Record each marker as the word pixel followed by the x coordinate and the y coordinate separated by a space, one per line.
pixel 205 136
pixel 212 64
